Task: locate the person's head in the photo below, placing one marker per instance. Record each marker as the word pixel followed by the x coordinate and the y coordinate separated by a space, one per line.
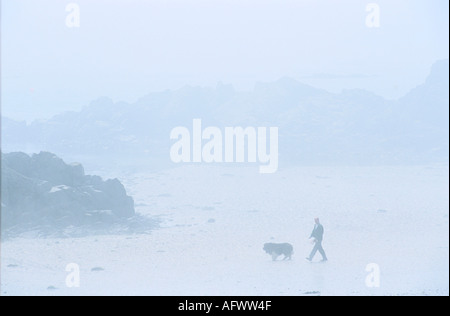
pixel 317 220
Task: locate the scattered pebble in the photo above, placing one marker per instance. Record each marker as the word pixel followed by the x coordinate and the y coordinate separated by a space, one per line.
pixel 97 269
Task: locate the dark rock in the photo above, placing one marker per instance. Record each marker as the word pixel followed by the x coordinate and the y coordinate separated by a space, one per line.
pixel 97 269
pixel 44 190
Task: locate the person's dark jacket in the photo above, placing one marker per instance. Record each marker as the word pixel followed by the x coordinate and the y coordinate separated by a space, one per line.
pixel 317 233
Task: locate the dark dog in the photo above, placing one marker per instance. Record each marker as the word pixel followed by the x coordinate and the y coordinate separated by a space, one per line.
pixel 275 250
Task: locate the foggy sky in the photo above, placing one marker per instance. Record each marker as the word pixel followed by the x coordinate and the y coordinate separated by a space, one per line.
pixel 125 49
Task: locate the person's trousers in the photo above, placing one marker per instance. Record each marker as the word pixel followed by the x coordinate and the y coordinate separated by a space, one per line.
pixel 318 247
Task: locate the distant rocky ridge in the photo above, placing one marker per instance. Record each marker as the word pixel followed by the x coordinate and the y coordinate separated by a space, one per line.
pixel 315 126
pixel 43 191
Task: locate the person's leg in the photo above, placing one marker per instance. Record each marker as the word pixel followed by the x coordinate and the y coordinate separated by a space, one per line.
pixel 314 251
pixel 322 252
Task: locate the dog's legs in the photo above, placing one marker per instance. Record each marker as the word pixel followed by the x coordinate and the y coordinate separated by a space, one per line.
pixel 274 256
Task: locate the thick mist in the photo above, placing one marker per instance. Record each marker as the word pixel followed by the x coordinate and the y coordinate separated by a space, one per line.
pixel 188 147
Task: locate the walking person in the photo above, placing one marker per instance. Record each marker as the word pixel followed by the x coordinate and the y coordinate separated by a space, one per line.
pixel 317 234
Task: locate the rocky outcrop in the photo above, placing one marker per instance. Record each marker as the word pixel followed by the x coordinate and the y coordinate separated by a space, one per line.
pixel 316 126
pixel 43 190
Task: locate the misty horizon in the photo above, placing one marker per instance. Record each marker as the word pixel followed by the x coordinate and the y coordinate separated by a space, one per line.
pixel 29 120
pixel 125 51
